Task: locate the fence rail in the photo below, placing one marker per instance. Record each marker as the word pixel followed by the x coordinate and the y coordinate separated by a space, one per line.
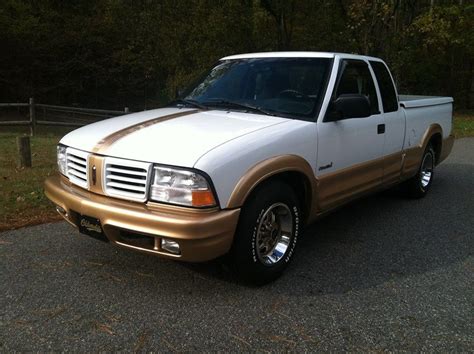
pixel 82 110
pixel 14 104
pixel 52 115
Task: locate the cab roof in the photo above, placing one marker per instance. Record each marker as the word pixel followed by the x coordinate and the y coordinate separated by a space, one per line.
pixel 298 55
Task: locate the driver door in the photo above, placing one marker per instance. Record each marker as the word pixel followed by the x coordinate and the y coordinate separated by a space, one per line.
pixel 350 151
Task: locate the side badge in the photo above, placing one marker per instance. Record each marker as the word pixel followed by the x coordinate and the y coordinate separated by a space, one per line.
pixel 94 175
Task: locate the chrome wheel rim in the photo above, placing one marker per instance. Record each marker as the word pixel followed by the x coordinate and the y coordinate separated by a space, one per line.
pixel 427 167
pixel 274 234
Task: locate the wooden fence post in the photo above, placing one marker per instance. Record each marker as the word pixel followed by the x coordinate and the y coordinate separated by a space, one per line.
pixel 24 151
pixel 32 117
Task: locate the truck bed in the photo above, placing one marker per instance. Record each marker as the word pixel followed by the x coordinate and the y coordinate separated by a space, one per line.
pixel 422 112
pixel 412 101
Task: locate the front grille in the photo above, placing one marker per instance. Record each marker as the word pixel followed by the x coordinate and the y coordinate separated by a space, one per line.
pixel 77 167
pixel 126 179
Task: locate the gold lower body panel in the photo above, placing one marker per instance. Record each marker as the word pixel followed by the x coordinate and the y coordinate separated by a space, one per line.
pixel 201 234
pixel 447 146
pixel 338 188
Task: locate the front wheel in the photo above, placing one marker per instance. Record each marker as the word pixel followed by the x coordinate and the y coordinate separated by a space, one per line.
pixel 267 233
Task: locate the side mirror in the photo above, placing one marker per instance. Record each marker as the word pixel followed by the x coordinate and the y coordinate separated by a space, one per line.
pixel 348 106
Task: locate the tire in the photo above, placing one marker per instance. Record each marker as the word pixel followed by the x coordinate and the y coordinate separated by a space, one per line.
pixel 419 185
pixel 267 233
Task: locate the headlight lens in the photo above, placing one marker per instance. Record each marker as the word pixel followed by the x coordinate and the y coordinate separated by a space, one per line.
pixel 62 162
pixel 182 187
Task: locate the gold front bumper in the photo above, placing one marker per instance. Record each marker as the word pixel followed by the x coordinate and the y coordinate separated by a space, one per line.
pixel 201 234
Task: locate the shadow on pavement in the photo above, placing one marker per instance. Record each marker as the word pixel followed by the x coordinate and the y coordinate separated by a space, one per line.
pixel 378 239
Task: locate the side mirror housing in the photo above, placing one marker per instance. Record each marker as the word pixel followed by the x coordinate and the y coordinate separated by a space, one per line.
pixel 348 106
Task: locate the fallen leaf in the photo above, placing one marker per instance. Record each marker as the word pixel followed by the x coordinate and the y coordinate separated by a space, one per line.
pixel 144 274
pixel 104 328
pixel 240 339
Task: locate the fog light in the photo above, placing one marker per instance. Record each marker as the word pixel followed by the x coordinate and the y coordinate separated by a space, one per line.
pixel 61 211
pixel 170 246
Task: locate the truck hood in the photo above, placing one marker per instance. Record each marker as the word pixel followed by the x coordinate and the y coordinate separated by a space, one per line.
pixel 171 136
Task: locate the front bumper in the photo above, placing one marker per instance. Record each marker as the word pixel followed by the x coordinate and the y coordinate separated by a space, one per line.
pixel 201 234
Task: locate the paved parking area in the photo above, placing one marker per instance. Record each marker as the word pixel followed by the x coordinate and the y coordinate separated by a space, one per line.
pixel 383 273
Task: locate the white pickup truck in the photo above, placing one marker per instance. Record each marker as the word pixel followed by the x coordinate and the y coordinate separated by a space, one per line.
pixel 263 144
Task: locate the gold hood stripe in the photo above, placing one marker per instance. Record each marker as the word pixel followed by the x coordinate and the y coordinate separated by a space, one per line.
pixel 112 138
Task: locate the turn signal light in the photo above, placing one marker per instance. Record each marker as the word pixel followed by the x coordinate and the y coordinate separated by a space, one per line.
pixel 203 198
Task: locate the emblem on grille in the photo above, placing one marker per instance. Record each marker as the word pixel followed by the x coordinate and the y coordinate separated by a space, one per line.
pixel 94 175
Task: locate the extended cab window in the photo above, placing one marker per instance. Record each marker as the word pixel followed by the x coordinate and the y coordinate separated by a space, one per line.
pixel 387 89
pixel 355 78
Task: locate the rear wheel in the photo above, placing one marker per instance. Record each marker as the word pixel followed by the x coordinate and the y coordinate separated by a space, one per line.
pixel 419 185
pixel 267 233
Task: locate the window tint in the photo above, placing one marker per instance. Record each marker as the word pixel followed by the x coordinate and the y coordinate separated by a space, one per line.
pixel 292 87
pixel 387 90
pixel 356 78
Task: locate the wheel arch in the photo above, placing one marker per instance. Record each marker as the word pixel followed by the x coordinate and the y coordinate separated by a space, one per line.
pixel 292 169
pixel 436 142
pixel 433 136
pixel 432 130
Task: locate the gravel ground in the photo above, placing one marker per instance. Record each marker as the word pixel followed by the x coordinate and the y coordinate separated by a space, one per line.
pixel 383 273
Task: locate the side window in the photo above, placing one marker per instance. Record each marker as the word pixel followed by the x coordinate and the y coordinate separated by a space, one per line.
pixel 356 78
pixel 387 89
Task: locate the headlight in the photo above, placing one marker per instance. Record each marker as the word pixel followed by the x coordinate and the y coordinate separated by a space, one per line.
pixel 182 187
pixel 62 162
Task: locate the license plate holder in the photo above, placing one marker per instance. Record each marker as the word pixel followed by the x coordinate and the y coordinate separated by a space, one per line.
pixel 92 227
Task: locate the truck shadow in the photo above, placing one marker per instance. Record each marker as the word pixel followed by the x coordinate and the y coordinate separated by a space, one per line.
pixel 380 239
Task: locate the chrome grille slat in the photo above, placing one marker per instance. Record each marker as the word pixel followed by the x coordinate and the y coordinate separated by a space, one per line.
pixel 76 161
pixel 126 179
pixel 120 170
pixel 76 166
pixel 78 174
pixel 124 186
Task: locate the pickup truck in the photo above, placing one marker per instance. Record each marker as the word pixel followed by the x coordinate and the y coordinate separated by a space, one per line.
pixel 262 145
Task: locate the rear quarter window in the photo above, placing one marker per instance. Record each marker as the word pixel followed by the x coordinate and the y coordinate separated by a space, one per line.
pixel 387 89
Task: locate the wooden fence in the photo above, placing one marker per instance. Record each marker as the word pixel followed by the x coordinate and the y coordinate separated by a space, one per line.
pixel 51 115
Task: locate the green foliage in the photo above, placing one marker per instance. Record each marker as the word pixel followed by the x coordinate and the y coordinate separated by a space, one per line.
pixel 443 38
pixel 21 190
pixel 115 53
pixel 463 124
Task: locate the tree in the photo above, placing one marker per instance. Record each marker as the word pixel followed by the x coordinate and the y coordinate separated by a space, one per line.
pixel 112 53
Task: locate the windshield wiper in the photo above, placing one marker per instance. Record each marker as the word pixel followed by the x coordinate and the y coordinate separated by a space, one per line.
pixel 193 103
pixel 237 104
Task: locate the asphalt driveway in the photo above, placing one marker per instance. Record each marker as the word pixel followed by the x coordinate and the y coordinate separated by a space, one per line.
pixel 383 273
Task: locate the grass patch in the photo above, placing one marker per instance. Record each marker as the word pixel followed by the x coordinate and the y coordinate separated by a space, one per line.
pixel 21 190
pixel 463 125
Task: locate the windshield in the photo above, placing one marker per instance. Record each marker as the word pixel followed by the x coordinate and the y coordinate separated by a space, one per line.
pixel 290 87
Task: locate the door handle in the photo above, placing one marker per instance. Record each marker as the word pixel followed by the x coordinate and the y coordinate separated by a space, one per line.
pixel 381 129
